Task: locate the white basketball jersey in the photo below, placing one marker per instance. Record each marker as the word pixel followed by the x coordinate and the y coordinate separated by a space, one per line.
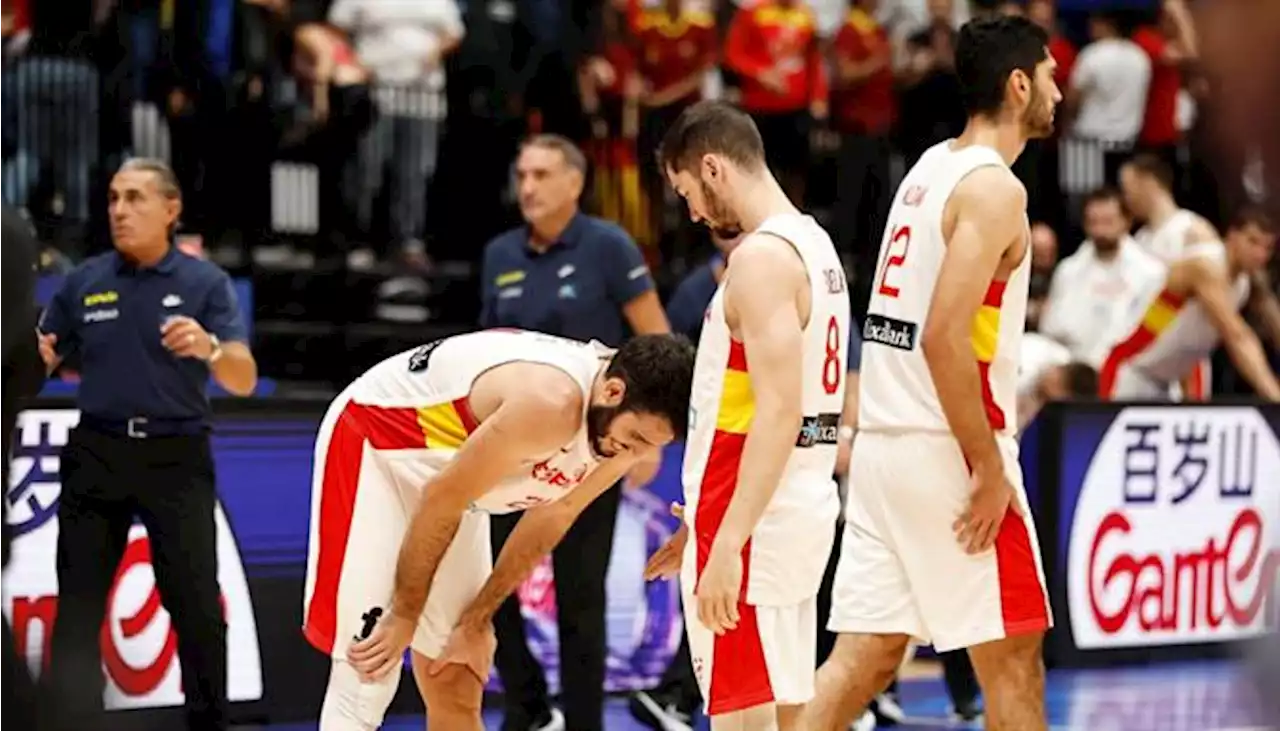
pixel 1168 335
pixel 790 546
pixel 897 391
pixel 421 397
pixel 1168 240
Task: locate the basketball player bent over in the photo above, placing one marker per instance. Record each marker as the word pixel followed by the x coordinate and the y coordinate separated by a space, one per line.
pixel 938 541
pixel 410 461
pixel 1180 325
pixel 764 415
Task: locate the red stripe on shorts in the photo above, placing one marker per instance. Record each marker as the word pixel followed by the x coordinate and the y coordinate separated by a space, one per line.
pixel 1023 605
pixel 383 428
pixel 739 674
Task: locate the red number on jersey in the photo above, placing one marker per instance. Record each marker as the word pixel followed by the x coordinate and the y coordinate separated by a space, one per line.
pixel 903 234
pixel 831 371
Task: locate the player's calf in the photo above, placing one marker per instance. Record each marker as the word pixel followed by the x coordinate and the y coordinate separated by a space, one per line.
pixel 453 697
pixel 351 704
pixel 860 667
pixel 1011 674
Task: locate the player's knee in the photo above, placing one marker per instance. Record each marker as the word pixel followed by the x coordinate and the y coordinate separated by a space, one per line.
pixel 353 705
pixel 878 656
pixel 452 693
pixel 1012 661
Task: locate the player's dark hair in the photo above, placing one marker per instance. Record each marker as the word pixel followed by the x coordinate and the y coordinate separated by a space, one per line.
pixel 711 127
pixel 991 49
pixel 1152 166
pixel 1081 380
pixel 1105 194
pixel 658 371
pixel 1251 215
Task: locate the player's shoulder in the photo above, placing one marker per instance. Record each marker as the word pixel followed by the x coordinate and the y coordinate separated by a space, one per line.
pixel 765 251
pixel 1199 229
pixel 991 190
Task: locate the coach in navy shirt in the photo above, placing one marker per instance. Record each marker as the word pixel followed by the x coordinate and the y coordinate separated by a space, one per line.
pixel 147 325
pixel 577 276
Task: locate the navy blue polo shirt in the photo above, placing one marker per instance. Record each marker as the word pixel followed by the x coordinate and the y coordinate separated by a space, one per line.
pixel 108 312
pixel 575 289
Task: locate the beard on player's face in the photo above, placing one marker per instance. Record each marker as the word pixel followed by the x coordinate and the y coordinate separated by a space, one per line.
pixel 1037 120
pixel 599 419
pixel 719 216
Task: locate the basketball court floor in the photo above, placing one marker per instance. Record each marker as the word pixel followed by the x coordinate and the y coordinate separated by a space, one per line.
pixel 1185 697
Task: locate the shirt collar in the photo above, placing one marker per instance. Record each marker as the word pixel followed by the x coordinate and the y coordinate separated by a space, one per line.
pixel 166 264
pixel 569 237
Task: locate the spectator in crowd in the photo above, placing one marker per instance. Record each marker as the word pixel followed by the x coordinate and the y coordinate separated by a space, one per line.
pixel 1170 45
pixel 1106 98
pixel 1098 284
pixel 1044 257
pixel 864 109
pixel 676 47
pixel 573 275
pixel 774 48
pixel 404 46
pixel 931 109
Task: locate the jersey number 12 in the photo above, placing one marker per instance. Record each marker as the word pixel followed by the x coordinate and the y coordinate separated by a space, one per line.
pixel 893 261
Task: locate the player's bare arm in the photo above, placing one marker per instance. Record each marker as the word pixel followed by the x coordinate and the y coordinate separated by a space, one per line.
pixel 987 212
pixel 764 283
pixel 1208 282
pixel 532 417
pixel 986 222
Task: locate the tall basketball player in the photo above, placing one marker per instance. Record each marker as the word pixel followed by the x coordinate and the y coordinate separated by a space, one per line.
pixel 938 543
pixel 764 416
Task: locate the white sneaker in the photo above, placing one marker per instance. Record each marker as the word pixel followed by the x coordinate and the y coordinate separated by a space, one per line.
pixel 556 723
pixel 866 723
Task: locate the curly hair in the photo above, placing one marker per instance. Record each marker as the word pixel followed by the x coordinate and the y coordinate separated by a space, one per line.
pixel 658 372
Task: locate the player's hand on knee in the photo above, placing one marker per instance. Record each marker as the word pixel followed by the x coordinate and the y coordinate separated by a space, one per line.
pixel 719 586
pixel 991 499
pixel 665 562
pixel 382 651
pixel 471 646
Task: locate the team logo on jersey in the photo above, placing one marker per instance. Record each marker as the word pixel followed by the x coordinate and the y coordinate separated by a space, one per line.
pixel 820 429
pixel 888 331
pixel 422 356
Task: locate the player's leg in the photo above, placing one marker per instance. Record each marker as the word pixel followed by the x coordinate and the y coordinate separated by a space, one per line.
pixel 994 602
pixel 357 522
pixel 872 608
pixel 453 697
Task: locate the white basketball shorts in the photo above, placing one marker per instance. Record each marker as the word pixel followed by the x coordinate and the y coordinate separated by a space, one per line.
pixel 901 568
pixel 768 658
pixel 366 484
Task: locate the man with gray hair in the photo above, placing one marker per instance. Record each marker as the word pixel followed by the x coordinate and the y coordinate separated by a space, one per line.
pixel 148 325
pixel 577 276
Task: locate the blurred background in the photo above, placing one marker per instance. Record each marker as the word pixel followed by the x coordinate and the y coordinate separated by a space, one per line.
pixel 348 161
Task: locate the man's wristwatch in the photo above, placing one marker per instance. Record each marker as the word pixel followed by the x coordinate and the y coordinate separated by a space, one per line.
pixel 215 348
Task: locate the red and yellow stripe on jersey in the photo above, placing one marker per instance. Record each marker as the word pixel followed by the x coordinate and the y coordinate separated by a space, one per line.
pixel 985 337
pixel 733 418
pixel 738 662
pixel 437 426
pixel 1159 316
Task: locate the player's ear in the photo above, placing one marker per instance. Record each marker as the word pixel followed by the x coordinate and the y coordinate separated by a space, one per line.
pixel 711 166
pixel 1020 82
pixel 614 390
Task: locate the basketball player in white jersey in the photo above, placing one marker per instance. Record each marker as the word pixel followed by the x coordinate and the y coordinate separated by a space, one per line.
pixel 939 544
pixel 768 389
pixel 1198 307
pixel 1167 230
pixel 413 457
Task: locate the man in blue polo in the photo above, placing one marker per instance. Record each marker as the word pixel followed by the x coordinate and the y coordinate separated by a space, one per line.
pixel 569 274
pixel 147 324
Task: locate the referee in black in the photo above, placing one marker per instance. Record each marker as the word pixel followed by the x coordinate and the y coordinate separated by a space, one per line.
pixel 147 324
pixel 23 376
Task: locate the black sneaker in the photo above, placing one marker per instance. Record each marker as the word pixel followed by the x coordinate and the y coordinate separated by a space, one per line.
pixel 969 712
pixel 659 711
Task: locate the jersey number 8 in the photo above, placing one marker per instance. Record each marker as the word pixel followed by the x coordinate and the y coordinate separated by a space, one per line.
pixel 831 371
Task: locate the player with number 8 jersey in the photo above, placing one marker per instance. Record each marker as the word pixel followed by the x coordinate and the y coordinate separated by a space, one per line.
pixel 768 388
